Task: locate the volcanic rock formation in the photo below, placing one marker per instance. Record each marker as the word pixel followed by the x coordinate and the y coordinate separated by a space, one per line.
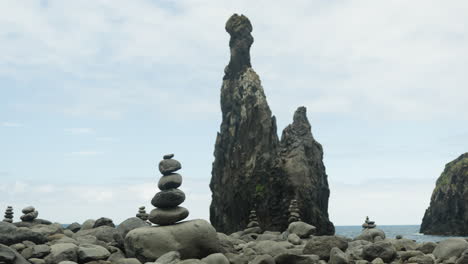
pixel 252 167
pixel 448 211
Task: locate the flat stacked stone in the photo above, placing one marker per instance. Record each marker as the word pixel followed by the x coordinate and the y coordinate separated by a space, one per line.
pixel 142 213
pixel 8 215
pixel 30 214
pixel 167 201
pixel 294 212
pixel 253 220
pixel 368 224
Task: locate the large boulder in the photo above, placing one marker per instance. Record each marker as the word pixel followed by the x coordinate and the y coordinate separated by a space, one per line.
pixel 451 247
pixel 11 256
pixel 272 248
pixel 252 166
pixel 89 252
pixel 130 224
pixel 104 233
pixel 192 239
pixel 322 245
pixel 381 249
pixel 370 234
pixel 62 252
pixel 10 234
pixel 354 250
pixel 449 202
pixel 287 258
pixel 303 230
pixel 403 244
pixel 47 230
pixel 338 257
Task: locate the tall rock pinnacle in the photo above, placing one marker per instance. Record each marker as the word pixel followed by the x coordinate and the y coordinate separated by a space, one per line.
pixel 248 168
pixel 448 211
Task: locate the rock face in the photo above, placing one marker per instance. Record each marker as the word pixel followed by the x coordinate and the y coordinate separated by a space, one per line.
pixel 448 210
pixel 252 168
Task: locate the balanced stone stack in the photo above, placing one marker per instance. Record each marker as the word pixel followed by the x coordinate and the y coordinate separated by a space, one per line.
pixel 253 220
pixel 142 213
pixel 167 201
pixel 368 224
pixel 294 212
pixel 8 215
pixel 30 214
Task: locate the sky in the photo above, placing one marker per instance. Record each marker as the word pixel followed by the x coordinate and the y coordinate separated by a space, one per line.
pixel 93 93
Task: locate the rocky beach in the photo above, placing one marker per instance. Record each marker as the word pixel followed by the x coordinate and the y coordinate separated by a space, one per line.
pixel 270 199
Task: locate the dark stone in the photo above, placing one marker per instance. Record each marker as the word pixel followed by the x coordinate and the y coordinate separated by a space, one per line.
pixel 32 223
pixel 173 180
pixel 29 216
pixel 11 256
pixel 446 214
pixel 74 227
pixel 10 234
pixel 252 168
pixel 168 156
pixel 130 224
pixel 104 221
pixel 168 198
pixel 322 245
pixel 168 166
pixel 380 249
pixel 161 216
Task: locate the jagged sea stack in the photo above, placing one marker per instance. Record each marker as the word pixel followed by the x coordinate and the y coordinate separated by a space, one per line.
pixel 167 201
pixel 8 215
pixel 250 167
pixel 448 211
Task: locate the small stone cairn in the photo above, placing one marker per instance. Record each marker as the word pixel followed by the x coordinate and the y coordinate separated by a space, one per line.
pixel 142 213
pixel 294 212
pixel 167 201
pixel 253 220
pixel 30 214
pixel 368 224
pixel 8 215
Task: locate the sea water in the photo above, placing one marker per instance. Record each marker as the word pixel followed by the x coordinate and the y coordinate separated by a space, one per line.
pixel 391 231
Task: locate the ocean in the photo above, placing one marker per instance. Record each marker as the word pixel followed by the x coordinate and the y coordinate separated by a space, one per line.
pixel 391 231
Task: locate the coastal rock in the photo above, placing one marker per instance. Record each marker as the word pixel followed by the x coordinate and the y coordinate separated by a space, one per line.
pixel 354 250
pixel 168 198
pixel 451 247
pixel 130 224
pixel 74 227
pixel 215 258
pixel 173 180
pixel 371 234
pixel 62 252
pixel 10 234
pixel 11 256
pixel 296 259
pixel 103 221
pixel 338 257
pixel 88 224
pixel 380 249
pixel 88 252
pixel 449 202
pixel 104 233
pixel 171 257
pixel 168 166
pixel 251 169
pixel 322 245
pixel 303 230
pixel 192 239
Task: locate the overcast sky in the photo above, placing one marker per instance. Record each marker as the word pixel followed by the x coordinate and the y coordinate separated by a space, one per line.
pixel 93 93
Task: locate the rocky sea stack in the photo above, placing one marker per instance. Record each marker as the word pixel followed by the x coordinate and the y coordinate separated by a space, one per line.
pixel 252 167
pixel 448 211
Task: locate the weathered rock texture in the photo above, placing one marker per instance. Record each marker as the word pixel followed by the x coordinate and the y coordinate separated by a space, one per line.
pixel 252 167
pixel 448 210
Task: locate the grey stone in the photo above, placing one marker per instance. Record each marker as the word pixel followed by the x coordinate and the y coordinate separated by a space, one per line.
pixel 378 261
pixel 405 255
pixel 370 234
pixel 168 166
pixel 322 245
pixel 303 230
pixel 47 230
pixel 89 252
pixel 215 258
pixel 11 256
pixel 287 258
pixel 130 224
pixel 426 247
pixel 191 261
pixel 354 250
pixel 451 247
pixel 192 239
pixel 103 233
pixel 28 210
pixel 74 227
pixel 36 261
pixel 128 261
pixel 170 257
pixel 10 234
pixel 103 221
pixel 381 249
pixel 403 244
pixel 263 259
pixel 173 180
pixel 168 198
pixel 88 224
pixel 67 262
pixel 168 156
pixel 271 248
pixel 294 239
pixel 40 251
pixel 29 216
pixel 168 216
pixel 425 259
pixel 62 252
pixel 338 257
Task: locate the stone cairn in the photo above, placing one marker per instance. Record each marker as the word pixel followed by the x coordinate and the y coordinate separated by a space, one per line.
pixel 294 212
pixel 167 201
pixel 368 224
pixel 253 220
pixel 8 215
pixel 142 213
pixel 30 214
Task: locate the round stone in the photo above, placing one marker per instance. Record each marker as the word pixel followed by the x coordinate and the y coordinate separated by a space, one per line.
pixel 173 180
pixel 169 166
pixel 162 216
pixel 168 156
pixel 28 210
pixel 168 198
pixel 30 216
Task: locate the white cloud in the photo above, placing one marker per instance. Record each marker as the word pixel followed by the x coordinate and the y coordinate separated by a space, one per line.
pixel 11 124
pixel 80 130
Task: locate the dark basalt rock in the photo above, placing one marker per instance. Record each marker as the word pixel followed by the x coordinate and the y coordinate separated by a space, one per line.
pixel 448 211
pixel 251 168
pixel 168 198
